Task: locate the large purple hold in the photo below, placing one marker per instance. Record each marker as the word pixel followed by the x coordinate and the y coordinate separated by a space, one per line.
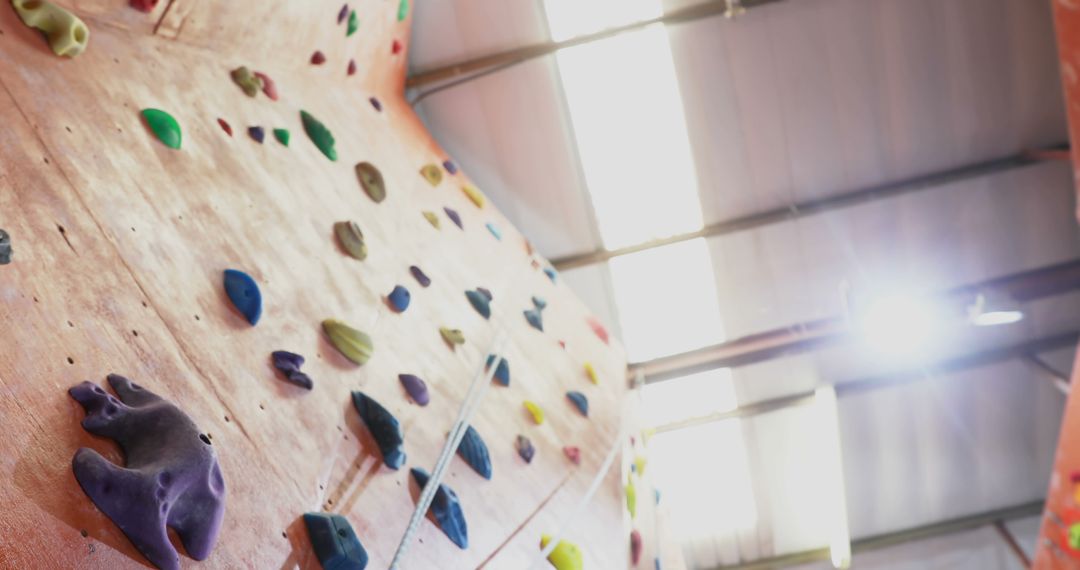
pixel 171 479
pixel 416 388
pixel 289 363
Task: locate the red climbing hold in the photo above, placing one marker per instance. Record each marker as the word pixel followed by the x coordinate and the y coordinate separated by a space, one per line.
pixel 225 126
pixel 269 87
pixel 395 48
pixel 144 5
pixel 318 58
pixel 352 67
pixel 598 328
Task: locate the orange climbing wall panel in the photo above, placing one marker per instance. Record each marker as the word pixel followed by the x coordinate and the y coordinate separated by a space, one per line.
pixel 120 244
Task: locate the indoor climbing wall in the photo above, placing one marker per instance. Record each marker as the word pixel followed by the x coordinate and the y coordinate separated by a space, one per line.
pixel 176 219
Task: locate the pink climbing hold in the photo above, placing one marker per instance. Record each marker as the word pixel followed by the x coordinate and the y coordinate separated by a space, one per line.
pixel 352 67
pixel 573 453
pixel 635 546
pixel 318 58
pixel 144 5
pixel 598 328
pixel 395 48
pixel 225 126
pixel 269 87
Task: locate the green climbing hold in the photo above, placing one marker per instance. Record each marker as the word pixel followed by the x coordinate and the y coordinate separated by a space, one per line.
pixel 565 556
pixel 164 127
pixel 351 343
pixel 402 10
pixel 631 497
pixel 282 136
pixel 371 181
pixel 354 23
pixel 319 135
pixel 249 82
pixel 351 239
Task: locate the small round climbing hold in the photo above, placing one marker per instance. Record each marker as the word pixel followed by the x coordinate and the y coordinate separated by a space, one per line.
pixel 225 126
pixel 431 173
pixel 454 217
pixel 353 344
pixel 319 135
pixel 420 276
pixel 525 448
pixel 573 453
pixel 244 294
pixel 351 68
pixel 450 166
pixel 318 58
pixel 164 127
pixel 282 136
pixel 474 195
pixel 257 134
pixel 416 388
pixel 580 402
pixel 371 180
pixel 535 411
pixel 452 336
pixel 479 302
pixel 351 239
pixel 399 298
pixel 431 218
pixel 375 103
pixel 269 88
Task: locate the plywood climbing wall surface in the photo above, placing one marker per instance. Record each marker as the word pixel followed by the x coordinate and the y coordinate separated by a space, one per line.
pixel 120 244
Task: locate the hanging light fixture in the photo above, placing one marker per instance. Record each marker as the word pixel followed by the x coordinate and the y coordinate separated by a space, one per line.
pixel 994 308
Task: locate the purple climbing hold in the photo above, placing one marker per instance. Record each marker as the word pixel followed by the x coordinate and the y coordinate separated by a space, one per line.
pixel 454 217
pixel 580 401
pixel 535 319
pixel 342 14
pixel 384 428
pixel 447 510
pixel 525 448
pixel 171 479
pixel 258 134
pixel 502 371
pixel 399 298
pixel 420 276
pixel 289 363
pixel 416 388
pixel 485 292
pixel 376 103
pixel 450 166
pixel 480 302
pixel 475 452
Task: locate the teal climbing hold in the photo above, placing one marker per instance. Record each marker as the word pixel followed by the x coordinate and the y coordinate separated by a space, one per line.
pixel 480 302
pixel 402 10
pixel 494 231
pixel 580 402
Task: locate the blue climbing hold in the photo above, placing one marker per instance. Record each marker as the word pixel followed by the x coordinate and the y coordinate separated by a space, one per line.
pixel 450 166
pixel 447 510
pixel 550 272
pixel 502 371
pixel 480 302
pixel 657 493
pixel 579 400
pixel 384 428
pixel 454 217
pixel 494 231
pixel 525 448
pixel 399 298
pixel 244 294
pixel 539 303
pixel 420 276
pixel 335 543
pixel 475 452
pixel 258 134
pixel 534 319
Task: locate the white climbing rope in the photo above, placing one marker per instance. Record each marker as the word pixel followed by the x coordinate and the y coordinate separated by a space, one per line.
pixel 477 388
pixel 569 521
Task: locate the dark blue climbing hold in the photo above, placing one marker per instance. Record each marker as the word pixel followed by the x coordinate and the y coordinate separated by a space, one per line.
pixel 454 217
pixel 579 400
pixel 376 103
pixel 473 450
pixel 257 133
pixel 485 292
pixel 550 272
pixel 539 303
pixel 334 542
pixel 502 371
pixel 447 510
pixel 244 294
pixel 534 318
pixel 384 427
pixel 525 448
pixel 450 166
pixel 289 363
pixel 479 302
pixel 494 231
pixel 419 275
pixel 416 388
pixel 399 298
pixel 5 248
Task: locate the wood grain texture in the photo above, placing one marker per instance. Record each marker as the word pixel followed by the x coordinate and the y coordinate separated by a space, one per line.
pixel 132 284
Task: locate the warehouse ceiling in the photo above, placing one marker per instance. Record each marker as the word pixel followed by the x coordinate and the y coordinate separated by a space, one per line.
pixel 697 124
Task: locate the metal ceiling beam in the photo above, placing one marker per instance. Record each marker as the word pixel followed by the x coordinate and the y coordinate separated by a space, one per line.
pixel 848 199
pixel 1021 350
pixel 786 341
pixel 895 538
pixel 525 53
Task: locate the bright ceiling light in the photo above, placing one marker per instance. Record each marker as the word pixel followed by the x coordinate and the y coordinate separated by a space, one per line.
pixel 900 323
pixel 992 309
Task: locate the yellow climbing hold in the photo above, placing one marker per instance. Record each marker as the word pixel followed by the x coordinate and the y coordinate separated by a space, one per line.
pixel 565 556
pixel 432 173
pixel 432 219
pixel 631 497
pixel 536 411
pixel 591 373
pixel 353 344
pixel 639 463
pixel 67 34
pixel 452 336
pixel 474 195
